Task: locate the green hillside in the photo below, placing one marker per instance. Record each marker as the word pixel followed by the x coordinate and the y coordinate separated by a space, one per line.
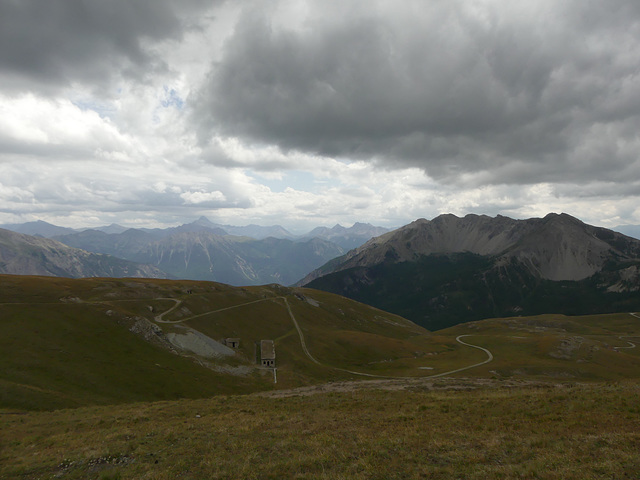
pixel 67 343
pixel 360 393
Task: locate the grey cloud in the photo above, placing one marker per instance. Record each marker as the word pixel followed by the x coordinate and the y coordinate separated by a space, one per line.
pixel 53 43
pixel 510 90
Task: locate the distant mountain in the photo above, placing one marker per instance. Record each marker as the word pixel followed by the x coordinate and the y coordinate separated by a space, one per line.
pixel 39 228
pixel 236 260
pixel 450 270
pixel 258 232
pixel 203 224
pixel 238 255
pixel 113 228
pixel 629 230
pixel 123 245
pixel 200 225
pixel 29 255
pixel 347 238
pixel 206 255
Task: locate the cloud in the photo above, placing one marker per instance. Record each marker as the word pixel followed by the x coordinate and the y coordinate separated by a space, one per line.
pixel 45 46
pixel 303 112
pixel 56 129
pixel 491 92
pixel 214 199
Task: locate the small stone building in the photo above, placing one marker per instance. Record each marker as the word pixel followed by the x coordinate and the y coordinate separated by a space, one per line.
pixel 267 354
pixel 232 343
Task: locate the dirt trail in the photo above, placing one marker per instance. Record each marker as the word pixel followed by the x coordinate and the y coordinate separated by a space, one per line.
pixel 159 319
pixel 179 302
pixel 409 384
pixel 631 344
pixel 313 359
pixel 303 343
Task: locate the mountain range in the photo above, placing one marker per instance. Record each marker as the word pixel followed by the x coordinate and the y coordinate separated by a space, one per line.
pixel 28 255
pixel 437 273
pixel 450 270
pixel 203 250
pixel 347 238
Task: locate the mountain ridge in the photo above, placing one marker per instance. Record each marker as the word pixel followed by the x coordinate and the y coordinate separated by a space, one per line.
pixel 503 236
pixel 28 255
pixel 206 255
pixel 450 269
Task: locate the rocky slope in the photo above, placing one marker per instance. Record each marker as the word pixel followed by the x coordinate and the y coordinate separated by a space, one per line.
pixel 556 247
pixel 478 266
pixel 27 255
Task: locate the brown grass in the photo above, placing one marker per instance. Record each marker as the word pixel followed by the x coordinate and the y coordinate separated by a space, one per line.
pixel 434 431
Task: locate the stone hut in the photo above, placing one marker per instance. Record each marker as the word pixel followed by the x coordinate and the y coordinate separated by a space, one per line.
pixel 267 354
pixel 232 343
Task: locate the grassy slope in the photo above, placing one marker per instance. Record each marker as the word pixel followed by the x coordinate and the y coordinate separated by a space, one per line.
pixel 432 428
pixel 557 346
pixel 60 354
pixel 545 432
pixel 79 350
pixel 67 342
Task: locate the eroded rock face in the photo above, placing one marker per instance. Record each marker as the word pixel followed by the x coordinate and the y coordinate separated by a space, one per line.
pixel 629 280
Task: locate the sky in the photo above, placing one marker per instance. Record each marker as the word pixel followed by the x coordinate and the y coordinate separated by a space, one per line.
pixel 305 113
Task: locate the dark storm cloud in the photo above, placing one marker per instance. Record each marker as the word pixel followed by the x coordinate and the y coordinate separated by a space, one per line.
pixel 516 92
pixel 53 43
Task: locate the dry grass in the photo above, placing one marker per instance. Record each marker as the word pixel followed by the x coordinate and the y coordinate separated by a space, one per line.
pixel 536 431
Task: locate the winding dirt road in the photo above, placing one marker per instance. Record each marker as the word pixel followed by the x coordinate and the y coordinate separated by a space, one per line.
pixel 160 319
pixel 313 359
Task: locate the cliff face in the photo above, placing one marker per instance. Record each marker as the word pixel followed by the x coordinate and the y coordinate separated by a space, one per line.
pixel 27 255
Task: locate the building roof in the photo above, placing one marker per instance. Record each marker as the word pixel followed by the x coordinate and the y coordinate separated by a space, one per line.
pixel 267 349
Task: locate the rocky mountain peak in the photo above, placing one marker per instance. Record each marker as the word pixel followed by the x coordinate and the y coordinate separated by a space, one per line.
pixel 556 247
